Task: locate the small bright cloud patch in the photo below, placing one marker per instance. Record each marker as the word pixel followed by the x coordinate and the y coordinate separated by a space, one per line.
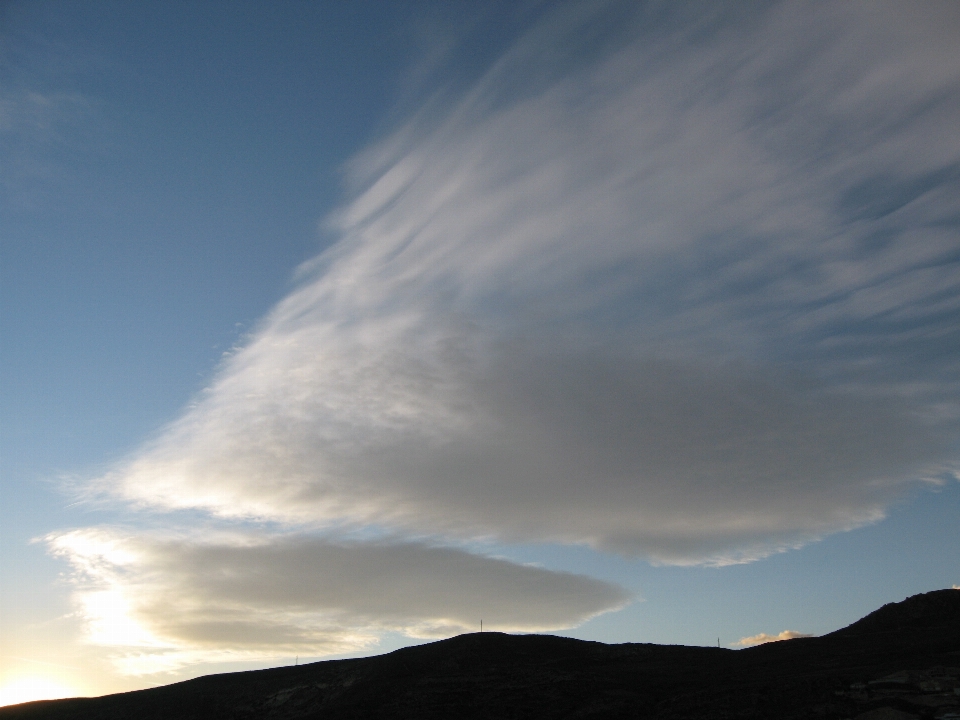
pixel 763 638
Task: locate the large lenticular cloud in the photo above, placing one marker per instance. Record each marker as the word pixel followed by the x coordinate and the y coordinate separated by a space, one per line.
pixel 691 298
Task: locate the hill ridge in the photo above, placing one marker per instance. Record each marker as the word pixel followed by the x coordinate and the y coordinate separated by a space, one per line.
pixel 482 675
pixel 921 610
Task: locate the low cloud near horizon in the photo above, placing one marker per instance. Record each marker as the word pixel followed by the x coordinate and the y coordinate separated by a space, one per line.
pixel 680 288
pixel 764 638
pixel 164 601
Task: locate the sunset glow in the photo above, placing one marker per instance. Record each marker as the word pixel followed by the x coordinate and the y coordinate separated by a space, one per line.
pixel 33 687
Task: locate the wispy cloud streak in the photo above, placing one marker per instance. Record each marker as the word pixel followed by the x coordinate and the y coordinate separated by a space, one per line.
pixel 690 300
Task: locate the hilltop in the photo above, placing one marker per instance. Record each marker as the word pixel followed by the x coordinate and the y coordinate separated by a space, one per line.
pixel 899 662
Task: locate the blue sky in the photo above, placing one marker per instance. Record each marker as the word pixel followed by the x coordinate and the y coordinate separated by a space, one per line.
pixel 333 328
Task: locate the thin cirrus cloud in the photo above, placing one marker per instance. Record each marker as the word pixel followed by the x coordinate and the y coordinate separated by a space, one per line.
pixel 34 128
pixel 764 638
pixel 166 601
pixel 677 286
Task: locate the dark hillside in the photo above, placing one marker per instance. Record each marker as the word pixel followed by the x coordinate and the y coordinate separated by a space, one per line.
pixel 920 611
pixel 902 658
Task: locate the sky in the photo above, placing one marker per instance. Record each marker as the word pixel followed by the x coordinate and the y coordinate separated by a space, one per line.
pixel 331 328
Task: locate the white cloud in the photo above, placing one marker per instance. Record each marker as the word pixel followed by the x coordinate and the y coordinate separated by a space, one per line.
pixel 646 457
pixel 162 602
pixel 688 299
pixel 765 638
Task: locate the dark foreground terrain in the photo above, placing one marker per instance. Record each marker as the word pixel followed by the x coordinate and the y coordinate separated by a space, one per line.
pixel 900 662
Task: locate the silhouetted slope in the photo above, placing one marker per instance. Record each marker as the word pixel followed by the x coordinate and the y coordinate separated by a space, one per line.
pixel 492 675
pixel 920 611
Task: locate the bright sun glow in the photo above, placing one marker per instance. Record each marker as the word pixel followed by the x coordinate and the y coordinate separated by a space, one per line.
pixel 25 689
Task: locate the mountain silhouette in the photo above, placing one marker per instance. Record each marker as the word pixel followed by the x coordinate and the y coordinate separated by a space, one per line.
pixel 897 663
pixel 920 611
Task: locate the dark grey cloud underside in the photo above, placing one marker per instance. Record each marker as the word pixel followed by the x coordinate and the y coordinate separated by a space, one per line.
pixel 378 581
